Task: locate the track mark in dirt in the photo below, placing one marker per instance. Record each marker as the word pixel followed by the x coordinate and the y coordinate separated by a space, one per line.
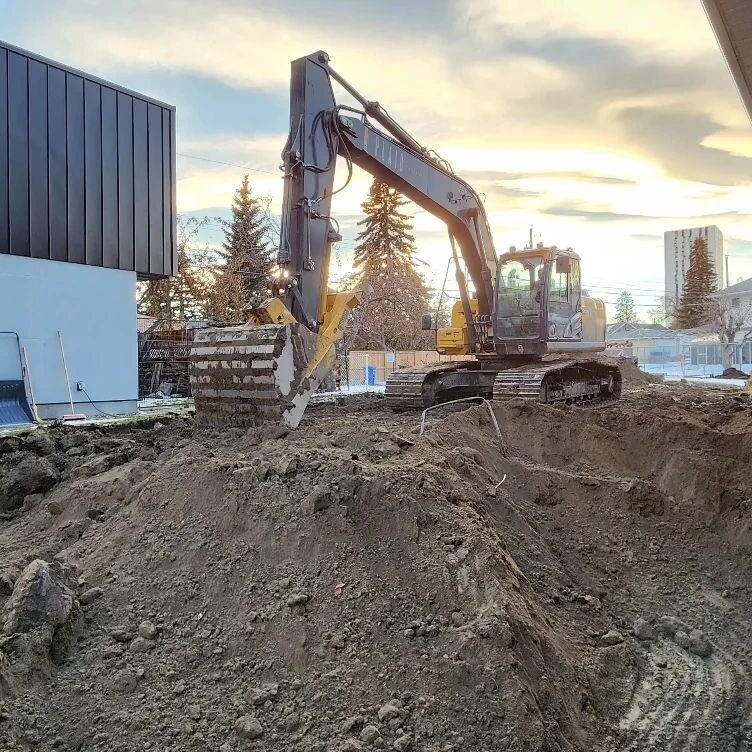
pixel 667 694
pixel 688 704
pixel 731 723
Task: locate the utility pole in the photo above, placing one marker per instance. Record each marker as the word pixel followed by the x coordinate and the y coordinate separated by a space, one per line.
pixel 726 258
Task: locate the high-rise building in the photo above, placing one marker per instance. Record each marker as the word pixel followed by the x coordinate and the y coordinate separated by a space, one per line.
pixel 677 245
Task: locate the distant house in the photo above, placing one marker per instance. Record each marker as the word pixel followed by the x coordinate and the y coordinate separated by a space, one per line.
pixel 691 352
pixel 739 297
pixel 649 343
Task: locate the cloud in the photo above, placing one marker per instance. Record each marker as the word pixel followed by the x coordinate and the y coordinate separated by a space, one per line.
pixel 736 141
pixel 602 215
pixel 674 139
pixel 500 176
pixel 202 185
pixel 592 215
pixel 642 23
pixel 646 236
pixel 515 193
pixel 240 44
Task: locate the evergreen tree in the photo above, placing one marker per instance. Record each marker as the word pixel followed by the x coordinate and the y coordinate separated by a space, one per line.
pixel 397 293
pixel 625 309
pixel 696 305
pixel 247 257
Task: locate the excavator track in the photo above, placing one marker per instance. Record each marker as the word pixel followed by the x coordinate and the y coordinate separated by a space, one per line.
pixel 582 382
pixel 416 388
pixel 573 382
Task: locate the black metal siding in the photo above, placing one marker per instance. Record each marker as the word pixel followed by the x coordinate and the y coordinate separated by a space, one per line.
pixel 18 153
pixel 87 169
pixel 38 171
pixel 58 165
pixel 4 219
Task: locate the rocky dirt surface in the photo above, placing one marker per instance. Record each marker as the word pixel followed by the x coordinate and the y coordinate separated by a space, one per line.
pixel 581 583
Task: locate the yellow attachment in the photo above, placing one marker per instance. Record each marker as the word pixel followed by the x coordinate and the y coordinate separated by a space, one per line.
pixel 330 331
pixel 274 311
pixel 271 311
pixel 267 369
pixel 452 341
pixel 458 313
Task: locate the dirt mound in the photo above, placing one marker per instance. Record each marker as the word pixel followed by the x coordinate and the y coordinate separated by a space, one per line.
pixel 356 586
pixel 733 373
pixel 632 374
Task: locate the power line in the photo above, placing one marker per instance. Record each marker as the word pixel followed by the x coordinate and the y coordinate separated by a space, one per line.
pixel 601 291
pixel 626 288
pixel 230 164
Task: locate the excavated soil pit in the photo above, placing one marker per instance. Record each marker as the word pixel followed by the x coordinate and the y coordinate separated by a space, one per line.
pixel 355 586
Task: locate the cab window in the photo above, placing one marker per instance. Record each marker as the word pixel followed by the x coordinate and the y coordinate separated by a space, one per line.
pixel 519 286
pixel 560 288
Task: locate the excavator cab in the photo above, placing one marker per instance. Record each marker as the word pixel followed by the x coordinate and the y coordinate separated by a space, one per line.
pixel 539 301
pixel 520 295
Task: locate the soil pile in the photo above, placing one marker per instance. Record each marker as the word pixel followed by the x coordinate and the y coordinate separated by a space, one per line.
pixel 578 584
pixel 733 373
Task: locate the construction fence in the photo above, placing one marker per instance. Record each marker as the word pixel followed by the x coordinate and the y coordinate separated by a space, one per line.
pixel 359 370
pixel 164 347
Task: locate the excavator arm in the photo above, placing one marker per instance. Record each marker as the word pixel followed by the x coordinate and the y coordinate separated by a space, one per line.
pixel 321 130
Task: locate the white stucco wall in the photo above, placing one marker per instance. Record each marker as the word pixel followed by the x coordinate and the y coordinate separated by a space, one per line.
pixel 94 308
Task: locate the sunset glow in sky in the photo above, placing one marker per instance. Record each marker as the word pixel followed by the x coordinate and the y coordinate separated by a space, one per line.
pixel 601 124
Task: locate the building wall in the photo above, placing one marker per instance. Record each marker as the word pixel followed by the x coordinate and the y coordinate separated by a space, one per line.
pixel 677 245
pixel 87 169
pixel 94 308
pixel 740 304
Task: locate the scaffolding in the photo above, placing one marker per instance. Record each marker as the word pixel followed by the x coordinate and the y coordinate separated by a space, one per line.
pixel 164 348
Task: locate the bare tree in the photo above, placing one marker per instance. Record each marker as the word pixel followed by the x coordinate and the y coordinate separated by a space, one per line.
pixel 185 295
pixel 658 314
pixel 733 317
pixel 271 222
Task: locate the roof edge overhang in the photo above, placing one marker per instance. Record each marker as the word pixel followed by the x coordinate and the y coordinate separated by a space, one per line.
pixel 743 80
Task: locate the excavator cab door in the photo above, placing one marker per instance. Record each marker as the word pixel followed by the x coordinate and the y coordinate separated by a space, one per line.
pixel 520 297
pixel 564 299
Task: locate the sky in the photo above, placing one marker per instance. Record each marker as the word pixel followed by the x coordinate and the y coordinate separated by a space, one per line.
pixel 601 124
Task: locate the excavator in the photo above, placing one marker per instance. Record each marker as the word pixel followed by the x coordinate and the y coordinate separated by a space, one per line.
pixel 520 328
